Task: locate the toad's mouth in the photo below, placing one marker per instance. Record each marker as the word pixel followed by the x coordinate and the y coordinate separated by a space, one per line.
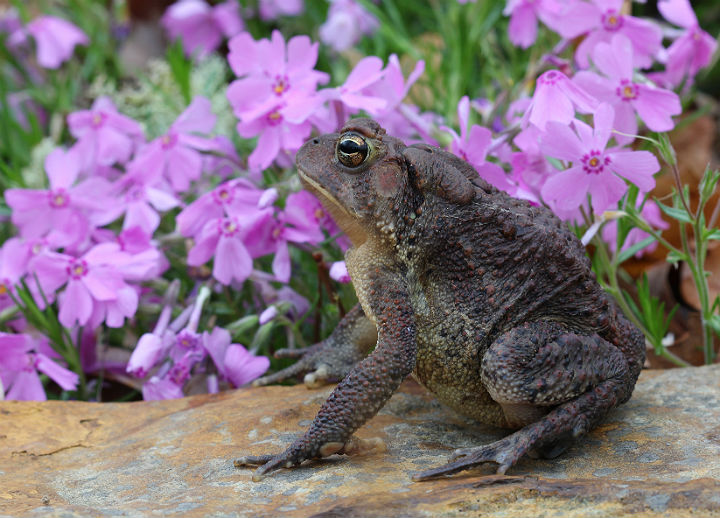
pixel 345 220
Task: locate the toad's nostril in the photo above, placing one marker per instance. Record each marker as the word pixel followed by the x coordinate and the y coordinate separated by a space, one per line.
pixel 316 141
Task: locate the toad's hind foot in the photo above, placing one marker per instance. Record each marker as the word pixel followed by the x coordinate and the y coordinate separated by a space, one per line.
pixel 504 453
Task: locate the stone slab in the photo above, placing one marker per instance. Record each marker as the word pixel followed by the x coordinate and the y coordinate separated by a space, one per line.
pixel 658 455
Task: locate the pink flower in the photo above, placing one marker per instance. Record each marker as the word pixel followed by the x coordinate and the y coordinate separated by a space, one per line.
pixel 601 19
pixel 176 155
pixel 556 98
pixel 271 9
pixel 347 21
pixel 55 39
pixel 276 92
pixel 231 198
pixel 691 51
pixel 524 15
pixel 298 223
pixel 21 357
pixel 94 285
pixel 594 170
pixel 200 26
pixel 233 361
pixel 105 137
pixel 352 93
pixel 651 213
pixel 655 106
pixel 474 146
pixel 14 256
pixel 223 239
pixel 157 388
pixel 338 272
pixel 66 213
pixel 399 119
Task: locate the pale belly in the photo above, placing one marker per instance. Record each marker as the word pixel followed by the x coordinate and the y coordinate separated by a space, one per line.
pixel 450 370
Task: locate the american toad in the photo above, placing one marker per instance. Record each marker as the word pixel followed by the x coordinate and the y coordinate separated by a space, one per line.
pixel 489 301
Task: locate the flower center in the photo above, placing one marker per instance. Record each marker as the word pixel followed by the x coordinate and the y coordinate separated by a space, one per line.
pixel 59 198
pixel 135 193
pixel 187 340
pixel 594 162
pixel 550 77
pixel 274 118
pixel 627 90
pixel 319 214
pixel 97 119
pixel 4 287
pixel 223 195
pixel 228 227
pixel 280 85
pixel 167 141
pixel 77 269
pixel 612 21
pixel 179 373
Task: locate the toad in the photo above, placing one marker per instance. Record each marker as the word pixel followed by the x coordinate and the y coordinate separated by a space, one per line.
pixel 489 301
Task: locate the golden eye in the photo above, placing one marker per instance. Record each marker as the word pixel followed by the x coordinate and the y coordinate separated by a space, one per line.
pixel 352 150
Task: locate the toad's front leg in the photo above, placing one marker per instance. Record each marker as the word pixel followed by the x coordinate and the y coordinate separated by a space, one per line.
pixel 363 392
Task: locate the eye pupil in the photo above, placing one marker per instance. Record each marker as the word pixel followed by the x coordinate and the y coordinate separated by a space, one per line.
pixel 349 146
pixel 352 150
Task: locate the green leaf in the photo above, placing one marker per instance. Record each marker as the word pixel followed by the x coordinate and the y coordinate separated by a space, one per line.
pixel 712 233
pixel 181 68
pixel 675 257
pixel 627 254
pixel 675 213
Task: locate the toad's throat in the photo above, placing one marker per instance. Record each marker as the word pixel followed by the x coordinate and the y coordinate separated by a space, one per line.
pixel 346 221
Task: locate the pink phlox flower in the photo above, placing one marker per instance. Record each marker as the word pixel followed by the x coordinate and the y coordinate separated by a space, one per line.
pixel 300 222
pixel 651 213
pixel 94 285
pixel 223 239
pixel 356 92
pixel 14 256
pixel 655 106
pixel 159 388
pixel 530 167
pixel 272 9
pixel 143 202
pixel 473 147
pixel 21 357
pixel 65 213
pixel 277 135
pixel 556 98
pixel 177 153
pixel 600 20
pixel 347 21
pixel 231 198
pixel 105 137
pixel 693 50
pixel 234 363
pixel 276 92
pixel 200 26
pixel 593 170
pixel 55 39
pixel 339 272
pixel 271 74
pixel 524 16
pixel 400 120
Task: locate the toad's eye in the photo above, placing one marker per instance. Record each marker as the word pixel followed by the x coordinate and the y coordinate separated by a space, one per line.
pixel 352 150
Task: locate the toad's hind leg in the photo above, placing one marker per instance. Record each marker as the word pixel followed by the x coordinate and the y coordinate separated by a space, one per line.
pixel 553 383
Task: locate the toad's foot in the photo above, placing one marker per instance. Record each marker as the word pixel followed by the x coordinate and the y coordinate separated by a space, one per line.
pixel 504 453
pixel 332 359
pixel 294 456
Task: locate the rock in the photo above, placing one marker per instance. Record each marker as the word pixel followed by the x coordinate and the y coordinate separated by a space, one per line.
pixel 658 454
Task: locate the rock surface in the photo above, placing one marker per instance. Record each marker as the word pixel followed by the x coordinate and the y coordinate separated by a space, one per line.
pixel 657 455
